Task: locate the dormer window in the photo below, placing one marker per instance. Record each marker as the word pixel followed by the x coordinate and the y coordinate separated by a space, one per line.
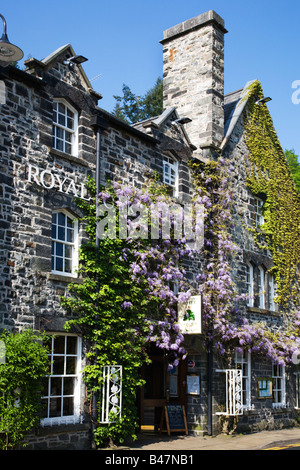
pixel 170 174
pixel 65 121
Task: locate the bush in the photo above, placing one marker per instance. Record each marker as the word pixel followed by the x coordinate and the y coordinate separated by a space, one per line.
pixel 21 372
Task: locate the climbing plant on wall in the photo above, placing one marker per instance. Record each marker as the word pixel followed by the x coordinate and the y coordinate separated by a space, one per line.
pixel 223 305
pixel 269 175
pixel 126 299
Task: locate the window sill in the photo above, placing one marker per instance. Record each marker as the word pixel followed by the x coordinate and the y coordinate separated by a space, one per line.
pixel 263 311
pixel 45 429
pixel 70 158
pixel 63 278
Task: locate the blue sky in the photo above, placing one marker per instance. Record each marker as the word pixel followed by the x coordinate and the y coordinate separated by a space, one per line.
pixel 121 40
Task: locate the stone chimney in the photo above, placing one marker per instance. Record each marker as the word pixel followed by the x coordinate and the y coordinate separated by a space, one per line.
pixel 193 58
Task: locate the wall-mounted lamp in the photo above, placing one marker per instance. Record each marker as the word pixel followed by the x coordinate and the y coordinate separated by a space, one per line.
pixel 8 52
pixel 76 59
pixel 263 100
pixel 183 120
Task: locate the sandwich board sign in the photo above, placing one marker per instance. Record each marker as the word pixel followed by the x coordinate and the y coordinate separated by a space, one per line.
pixel 189 316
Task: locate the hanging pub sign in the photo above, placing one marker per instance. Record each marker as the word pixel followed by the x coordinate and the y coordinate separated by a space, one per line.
pixel 189 316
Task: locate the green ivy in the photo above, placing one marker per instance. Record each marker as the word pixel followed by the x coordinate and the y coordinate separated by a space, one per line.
pixel 113 335
pixel 269 175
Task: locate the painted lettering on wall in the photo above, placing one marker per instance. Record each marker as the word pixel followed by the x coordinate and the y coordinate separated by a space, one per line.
pixel 49 180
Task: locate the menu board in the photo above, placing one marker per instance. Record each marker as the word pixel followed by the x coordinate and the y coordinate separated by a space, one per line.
pixel 175 417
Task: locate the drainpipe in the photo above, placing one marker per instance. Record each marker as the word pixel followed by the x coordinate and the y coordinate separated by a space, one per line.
pixel 210 370
pixel 209 387
pixel 98 124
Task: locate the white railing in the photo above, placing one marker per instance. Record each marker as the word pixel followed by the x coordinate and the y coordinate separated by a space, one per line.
pixel 111 394
pixel 234 392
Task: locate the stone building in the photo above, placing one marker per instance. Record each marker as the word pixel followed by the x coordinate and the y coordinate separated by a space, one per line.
pixel 53 133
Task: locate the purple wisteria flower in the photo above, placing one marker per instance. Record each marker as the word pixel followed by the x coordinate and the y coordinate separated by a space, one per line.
pixel 126 305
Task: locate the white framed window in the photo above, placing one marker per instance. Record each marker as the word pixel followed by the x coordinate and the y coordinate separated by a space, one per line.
pixel 271 292
pixel 65 124
pixel 61 392
pixel 170 174
pixel 243 362
pixel 64 256
pixel 250 284
pixel 261 287
pixel 258 212
pixel 278 385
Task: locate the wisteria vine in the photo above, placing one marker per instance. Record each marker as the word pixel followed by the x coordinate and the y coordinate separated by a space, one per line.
pixel 223 305
pixel 160 264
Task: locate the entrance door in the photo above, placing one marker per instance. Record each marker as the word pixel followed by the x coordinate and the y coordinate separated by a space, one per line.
pixel 162 387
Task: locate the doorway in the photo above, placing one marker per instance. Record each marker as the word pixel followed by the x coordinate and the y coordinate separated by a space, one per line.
pixel 161 387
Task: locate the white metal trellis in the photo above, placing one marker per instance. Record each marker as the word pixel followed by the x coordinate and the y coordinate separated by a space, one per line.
pixel 111 394
pixel 234 392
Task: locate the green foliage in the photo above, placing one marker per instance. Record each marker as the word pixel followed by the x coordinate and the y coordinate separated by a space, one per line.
pixel 115 335
pixel 294 166
pixel 132 108
pixel 269 176
pixel 26 363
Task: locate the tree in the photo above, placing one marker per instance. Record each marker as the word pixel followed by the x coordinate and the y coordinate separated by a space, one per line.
pixel 132 108
pixel 294 166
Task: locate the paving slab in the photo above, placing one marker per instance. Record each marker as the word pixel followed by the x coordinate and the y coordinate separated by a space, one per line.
pixel 255 441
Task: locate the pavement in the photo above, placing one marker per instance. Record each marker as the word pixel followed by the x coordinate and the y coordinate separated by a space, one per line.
pixel 262 440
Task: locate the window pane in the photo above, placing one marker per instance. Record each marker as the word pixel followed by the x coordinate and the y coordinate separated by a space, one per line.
pixel 69 383
pixel 68 252
pixel 61 219
pixel 71 365
pixel 70 122
pixel 68 266
pixel 58 365
pixel 59 251
pixel 68 136
pixel 59 264
pixel 59 145
pixel 70 235
pixel 68 407
pixel 61 119
pixel 61 108
pixel 61 233
pixel 71 345
pixel 59 345
pixel 68 148
pixel 55 407
pixel 56 386
pixel 60 133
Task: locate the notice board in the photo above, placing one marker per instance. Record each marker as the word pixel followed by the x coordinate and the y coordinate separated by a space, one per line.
pixel 175 417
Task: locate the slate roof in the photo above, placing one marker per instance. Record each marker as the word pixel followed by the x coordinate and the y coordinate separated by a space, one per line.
pixel 234 104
